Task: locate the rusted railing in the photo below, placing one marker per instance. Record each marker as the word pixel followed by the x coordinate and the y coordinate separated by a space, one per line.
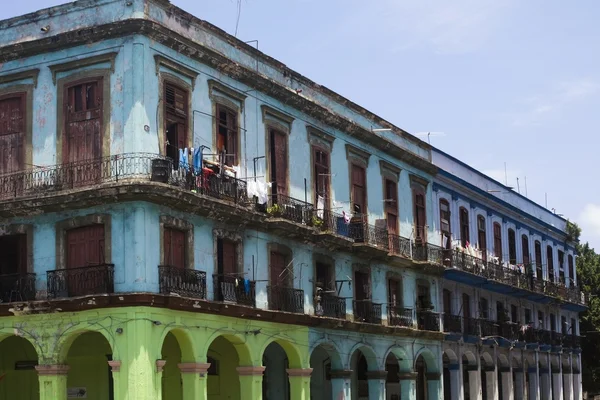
pixel 400 316
pixel 285 299
pixel 428 320
pixel 452 323
pixel 71 282
pixel 332 306
pixel 233 289
pixel 363 232
pixel 286 207
pixel 17 287
pixel 367 311
pixel 182 281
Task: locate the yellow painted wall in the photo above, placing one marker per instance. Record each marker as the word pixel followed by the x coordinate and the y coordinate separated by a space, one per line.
pixel 87 360
pixel 17 385
pixel 225 386
pixel 171 377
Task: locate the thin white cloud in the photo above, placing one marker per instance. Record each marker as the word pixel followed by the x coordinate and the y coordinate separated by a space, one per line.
pixel 589 221
pixel 537 109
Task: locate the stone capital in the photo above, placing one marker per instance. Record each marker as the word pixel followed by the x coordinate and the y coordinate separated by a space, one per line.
pixel 341 373
pixel 115 365
pixel 248 371
pixel 407 376
pixel 160 365
pixel 194 368
pixel 377 375
pixel 433 376
pixel 52 370
pixel 299 371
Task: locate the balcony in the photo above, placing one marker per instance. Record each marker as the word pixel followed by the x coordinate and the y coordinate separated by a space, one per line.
pixel 364 233
pixel 286 299
pixel 72 282
pixel 452 323
pixel 428 253
pixel 400 316
pixel 400 246
pixel 488 328
pixel 232 289
pixel 510 330
pixel 471 326
pixel 428 320
pixel 329 305
pixel 17 287
pixel 286 207
pixel 367 311
pixel 182 281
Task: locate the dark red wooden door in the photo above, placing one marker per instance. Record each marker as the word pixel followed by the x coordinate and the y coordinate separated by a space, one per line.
pixel 229 257
pixel 279 162
pixel 83 121
pixel 321 170
pixel 12 133
pixel 420 216
pixel 358 190
pixel 174 247
pixel 85 248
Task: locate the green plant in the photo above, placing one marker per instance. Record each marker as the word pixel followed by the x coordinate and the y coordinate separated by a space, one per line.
pixel 317 222
pixel 275 209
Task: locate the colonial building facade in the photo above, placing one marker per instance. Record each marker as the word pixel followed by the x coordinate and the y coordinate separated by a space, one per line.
pixel 184 217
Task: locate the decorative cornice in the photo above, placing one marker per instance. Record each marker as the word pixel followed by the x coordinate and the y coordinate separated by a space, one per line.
pixel 272 113
pixel 250 371
pixel 175 67
pixel 355 153
pixel 319 137
pixel 305 372
pixel 389 169
pixel 52 370
pixel 216 86
pixel 115 365
pixel 83 62
pixel 22 75
pixel 194 368
pixel 160 365
pixel 415 179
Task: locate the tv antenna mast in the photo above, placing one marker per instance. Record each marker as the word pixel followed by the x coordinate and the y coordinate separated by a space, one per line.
pixel 429 135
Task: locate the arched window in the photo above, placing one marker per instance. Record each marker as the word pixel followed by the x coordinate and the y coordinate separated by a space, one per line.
pixel 464 226
pixel 481 237
pixel 445 223
pixel 498 240
pixel 512 247
pixel 525 249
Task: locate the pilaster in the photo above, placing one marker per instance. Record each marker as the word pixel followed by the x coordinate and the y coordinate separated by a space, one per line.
pixel 53 381
pixel 251 381
pixel 299 383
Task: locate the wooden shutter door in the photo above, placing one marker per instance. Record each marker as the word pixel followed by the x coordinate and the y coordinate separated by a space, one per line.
pixel 83 120
pixel 174 247
pixel 358 189
pixel 281 161
pixel 393 292
pixel 232 138
pixel 229 257
pixel 12 134
pixel 277 275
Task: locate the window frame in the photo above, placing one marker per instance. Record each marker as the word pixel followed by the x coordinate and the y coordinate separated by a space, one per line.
pixel 482 232
pixel 465 234
pixel 497 231
pixel 171 115
pixel 512 246
pixel 182 225
pixel 24 94
pixel 525 251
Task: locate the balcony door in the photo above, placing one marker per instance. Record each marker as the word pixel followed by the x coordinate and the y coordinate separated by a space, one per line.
pixel 12 133
pixel 85 248
pixel 174 247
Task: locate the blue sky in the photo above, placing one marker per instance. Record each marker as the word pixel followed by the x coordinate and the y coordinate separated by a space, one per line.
pixel 504 80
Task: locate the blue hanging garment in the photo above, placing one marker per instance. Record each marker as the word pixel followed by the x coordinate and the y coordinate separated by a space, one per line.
pixel 247 286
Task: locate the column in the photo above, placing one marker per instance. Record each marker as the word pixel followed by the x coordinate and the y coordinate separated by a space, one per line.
pixel 557 384
pixel 408 385
pixel 115 370
pixel 433 385
pixel 507 383
pixel 194 379
pixel 455 382
pixel 53 381
pixel 545 392
pixel 577 393
pixel 341 384
pixel 534 385
pixel 518 383
pixel 299 383
pixel 377 380
pixel 567 384
pixel 474 382
pixel 251 381
pixel 490 381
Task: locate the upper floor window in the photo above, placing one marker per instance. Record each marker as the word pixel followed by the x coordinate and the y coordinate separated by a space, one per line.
pixel 322 176
pixel 528 316
pixel 359 189
pixel 445 223
pixel 550 258
pixel 553 322
pixel 466 306
pixel 541 321
pixel 482 237
pixel 464 226
pixel 391 206
pixel 362 287
pixel 498 240
pixel 563 325
pixel 279 271
pixel 278 162
pixel 420 215
pixel 83 121
pixel 14 255
pixel 561 266
pixel 227 134
pixel 512 247
pixel 571 269
pixel 525 249
pixel 176 120
pixel 12 133
pixel 447 301
pixel 324 273
pixel 395 292
pixel 573 327
pixel 514 314
pixel 227 254
pixel 538 260
pixel 174 247
pixel 484 308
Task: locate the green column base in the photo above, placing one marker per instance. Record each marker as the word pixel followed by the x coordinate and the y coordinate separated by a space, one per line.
pixel 299 383
pixel 251 382
pixel 53 381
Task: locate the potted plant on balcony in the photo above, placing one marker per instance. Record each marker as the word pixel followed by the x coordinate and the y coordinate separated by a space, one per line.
pixel 317 222
pixel 275 210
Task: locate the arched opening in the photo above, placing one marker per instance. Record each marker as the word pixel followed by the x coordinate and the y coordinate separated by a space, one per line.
pixel 323 359
pixel 18 377
pixel 392 384
pixel 361 361
pixel 275 380
pixel 487 376
pixel 450 373
pixel 554 374
pixel 446 377
pixel 503 370
pixel 421 370
pixel 172 385
pixel 517 379
pixel 469 373
pixel 89 373
pixel 527 390
pixel 222 379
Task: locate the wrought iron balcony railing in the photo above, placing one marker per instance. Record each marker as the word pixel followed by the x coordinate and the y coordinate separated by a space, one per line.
pixel 400 316
pixel 488 328
pixel 182 281
pixel 428 320
pixel 286 207
pixel 233 289
pixel 399 245
pixel 330 305
pixel 471 326
pixel 72 282
pixel 363 232
pixel 285 299
pixel 17 287
pixel 367 311
pixel 509 330
pixel 452 323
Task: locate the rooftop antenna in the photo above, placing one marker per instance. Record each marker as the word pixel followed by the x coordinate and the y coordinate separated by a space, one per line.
pixel 525 186
pixel 546 197
pixel 518 186
pixel 505 175
pixel 239 14
pixel 429 135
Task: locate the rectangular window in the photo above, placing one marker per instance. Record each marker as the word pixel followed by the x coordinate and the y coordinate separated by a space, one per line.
pixel 322 176
pixel 500 315
pixel 563 325
pixel 464 227
pixel 466 305
pixel 395 293
pixel 447 301
pixel 573 327
pixel 420 215
pixel 176 121
pixel 227 134
pixel 279 271
pixel 514 314
pixel 481 237
pixel 278 162
pixel 550 259
pixel 484 309
pixel 359 194
pixel 83 121
pixel 12 133
pixel 325 279
pixel 541 320
pixel 445 217
pixel 553 322
pixel 538 260
pixel 527 316
pixel 14 255
pixel 362 289
pixel 525 249
pixel 498 240
pixel 571 270
pixel 85 246
pixel 174 247
pixel 512 247
pixel 391 205
pixel 561 266
pixel 226 257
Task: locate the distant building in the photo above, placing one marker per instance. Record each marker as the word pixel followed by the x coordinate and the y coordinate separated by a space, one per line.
pixel 184 217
